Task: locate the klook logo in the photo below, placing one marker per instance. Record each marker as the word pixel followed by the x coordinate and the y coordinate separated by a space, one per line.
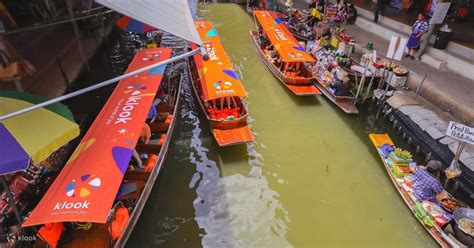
pixel 135 91
pixel 219 85
pixel 79 189
pixel 86 185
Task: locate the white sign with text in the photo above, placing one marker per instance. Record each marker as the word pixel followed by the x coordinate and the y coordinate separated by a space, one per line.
pixel 460 132
pixel 440 13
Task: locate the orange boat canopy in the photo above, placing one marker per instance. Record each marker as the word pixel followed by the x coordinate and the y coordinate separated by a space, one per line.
pixel 218 77
pixel 85 189
pixel 281 38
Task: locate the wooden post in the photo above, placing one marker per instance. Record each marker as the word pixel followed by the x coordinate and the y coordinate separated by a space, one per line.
pixel 459 150
pixel 362 81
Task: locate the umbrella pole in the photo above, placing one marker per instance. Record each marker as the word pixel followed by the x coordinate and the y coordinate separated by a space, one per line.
pixel 11 200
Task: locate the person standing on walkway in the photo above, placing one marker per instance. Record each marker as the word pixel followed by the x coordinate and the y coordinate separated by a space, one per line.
pixel 379 6
pixel 430 9
pixel 420 27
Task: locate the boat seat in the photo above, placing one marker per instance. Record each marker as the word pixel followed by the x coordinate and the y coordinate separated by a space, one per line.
pixel 164 108
pixel 136 175
pixel 159 126
pixel 148 148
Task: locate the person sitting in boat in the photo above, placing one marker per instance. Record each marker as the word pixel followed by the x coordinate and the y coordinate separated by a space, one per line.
pixel 270 50
pixel 264 40
pixel 351 14
pixel 425 181
pixel 276 59
pixel 145 134
pixel 314 18
pixel 340 88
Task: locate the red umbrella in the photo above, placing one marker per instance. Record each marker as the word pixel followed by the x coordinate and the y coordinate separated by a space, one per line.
pixel 131 25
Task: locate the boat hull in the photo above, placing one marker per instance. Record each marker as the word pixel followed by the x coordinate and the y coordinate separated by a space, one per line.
pixel 225 132
pixel 345 103
pixel 135 215
pixel 299 86
pixel 380 139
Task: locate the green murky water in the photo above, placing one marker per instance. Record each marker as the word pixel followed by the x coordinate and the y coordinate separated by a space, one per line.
pixel 311 179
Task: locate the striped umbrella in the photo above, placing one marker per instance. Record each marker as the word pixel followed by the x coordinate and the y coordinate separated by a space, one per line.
pixel 33 135
pixel 131 25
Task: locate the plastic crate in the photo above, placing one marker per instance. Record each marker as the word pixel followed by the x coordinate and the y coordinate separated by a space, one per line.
pixel 396 81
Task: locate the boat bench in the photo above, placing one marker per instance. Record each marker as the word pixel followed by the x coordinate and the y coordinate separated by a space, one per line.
pixel 148 148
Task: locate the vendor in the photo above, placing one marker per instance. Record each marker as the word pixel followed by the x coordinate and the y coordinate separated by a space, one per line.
pixel 340 88
pixel 420 27
pixel 425 181
pixel 351 14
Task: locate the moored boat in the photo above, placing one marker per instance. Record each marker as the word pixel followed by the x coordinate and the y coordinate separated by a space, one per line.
pixel 99 195
pixel 345 103
pixel 326 72
pixel 220 92
pixel 282 54
pixel 403 188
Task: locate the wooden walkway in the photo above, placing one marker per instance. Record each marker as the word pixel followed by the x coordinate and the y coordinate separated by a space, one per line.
pixel 433 124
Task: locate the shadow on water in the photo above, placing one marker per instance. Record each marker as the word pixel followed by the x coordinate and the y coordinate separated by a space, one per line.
pixel 233 154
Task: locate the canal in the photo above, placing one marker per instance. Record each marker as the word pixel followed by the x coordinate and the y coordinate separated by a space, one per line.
pixel 311 179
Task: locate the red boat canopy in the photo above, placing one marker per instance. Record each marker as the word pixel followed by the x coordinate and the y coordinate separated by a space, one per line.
pixel 281 38
pixel 85 189
pixel 218 77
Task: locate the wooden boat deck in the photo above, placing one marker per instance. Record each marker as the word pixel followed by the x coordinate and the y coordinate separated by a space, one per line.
pixel 234 136
pixel 343 102
pixel 300 87
pixel 380 139
pixel 97 236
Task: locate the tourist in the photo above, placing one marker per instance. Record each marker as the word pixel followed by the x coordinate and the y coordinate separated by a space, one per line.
pixel 419 29
pixel 145 134
pixel 425 181
pixel 341 12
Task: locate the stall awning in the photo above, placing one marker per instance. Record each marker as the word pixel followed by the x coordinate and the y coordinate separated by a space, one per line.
pixel 218 77
pixel 85 189
pixel 285 44
pixel 33 135
pixel 172 16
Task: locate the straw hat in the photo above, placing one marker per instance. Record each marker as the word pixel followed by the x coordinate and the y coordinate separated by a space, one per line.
pixel 289 3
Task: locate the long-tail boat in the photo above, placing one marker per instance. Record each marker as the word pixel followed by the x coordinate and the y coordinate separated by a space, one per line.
pixel 345 103
pixel 324 78
pixel 219 91
pixel 101 191
pixel 379 140
pixel 289 58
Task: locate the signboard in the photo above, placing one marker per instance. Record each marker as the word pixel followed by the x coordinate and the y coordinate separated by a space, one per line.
pixel 396 48
pixel 440 13
pixel 460 132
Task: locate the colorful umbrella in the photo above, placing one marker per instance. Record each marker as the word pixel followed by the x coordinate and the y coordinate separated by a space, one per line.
pixel 33 135
pixel 131 25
